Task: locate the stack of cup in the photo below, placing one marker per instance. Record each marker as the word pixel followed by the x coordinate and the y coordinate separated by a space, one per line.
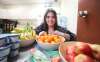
pixel 4 48
pixel 15 42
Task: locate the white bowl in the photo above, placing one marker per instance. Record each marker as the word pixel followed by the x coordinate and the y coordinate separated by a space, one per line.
pixel 50 46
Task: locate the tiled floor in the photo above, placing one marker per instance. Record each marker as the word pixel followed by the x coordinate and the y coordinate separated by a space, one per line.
pixel 24 56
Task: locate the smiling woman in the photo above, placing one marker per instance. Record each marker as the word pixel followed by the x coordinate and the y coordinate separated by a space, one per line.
pixel 51 26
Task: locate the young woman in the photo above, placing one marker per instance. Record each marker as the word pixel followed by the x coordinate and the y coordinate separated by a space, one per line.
pixel 50 26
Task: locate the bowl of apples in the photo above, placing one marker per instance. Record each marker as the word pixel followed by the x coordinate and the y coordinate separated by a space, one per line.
pixel 49 42
pixel 79 52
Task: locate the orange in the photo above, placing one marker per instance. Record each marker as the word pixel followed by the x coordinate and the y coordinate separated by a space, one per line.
pixel 41 38
pixel 49 38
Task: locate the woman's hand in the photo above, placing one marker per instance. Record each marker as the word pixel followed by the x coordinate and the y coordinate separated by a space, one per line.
pixel 67 36
pixel 42 33
pixel 58 33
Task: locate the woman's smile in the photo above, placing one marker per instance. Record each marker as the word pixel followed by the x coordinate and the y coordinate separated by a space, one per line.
pixel 50 19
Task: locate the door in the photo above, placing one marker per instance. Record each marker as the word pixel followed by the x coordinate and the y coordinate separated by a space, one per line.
pixel 88 28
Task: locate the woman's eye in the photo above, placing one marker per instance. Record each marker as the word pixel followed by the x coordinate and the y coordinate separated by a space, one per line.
pixel 50 16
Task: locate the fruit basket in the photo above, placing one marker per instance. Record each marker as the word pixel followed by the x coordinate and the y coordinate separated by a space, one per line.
pixel 27 35
pixel 50 42
pixel 82 54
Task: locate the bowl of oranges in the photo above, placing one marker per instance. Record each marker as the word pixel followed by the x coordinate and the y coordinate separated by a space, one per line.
pixel 49 42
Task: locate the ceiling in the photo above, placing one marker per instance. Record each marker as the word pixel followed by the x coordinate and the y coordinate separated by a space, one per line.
pixel 24 2
pixel 24 9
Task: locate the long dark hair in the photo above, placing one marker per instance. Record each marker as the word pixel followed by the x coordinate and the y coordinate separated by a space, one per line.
pixel 45 26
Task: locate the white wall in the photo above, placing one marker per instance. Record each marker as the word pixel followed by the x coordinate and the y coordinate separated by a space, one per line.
pixel 24 11
pixel 69 9
pixel 21 12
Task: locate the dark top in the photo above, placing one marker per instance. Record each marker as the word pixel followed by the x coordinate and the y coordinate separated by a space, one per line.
pixel 59 28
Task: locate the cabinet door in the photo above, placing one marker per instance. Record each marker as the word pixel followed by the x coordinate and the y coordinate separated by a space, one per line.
pixel 88 29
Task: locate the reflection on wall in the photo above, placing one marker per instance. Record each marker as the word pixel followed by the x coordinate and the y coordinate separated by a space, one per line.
pixel 69 9
pixel 33 22
pixel 62 21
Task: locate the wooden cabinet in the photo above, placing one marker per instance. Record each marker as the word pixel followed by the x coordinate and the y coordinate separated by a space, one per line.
pixel 8 25
pixel 88 29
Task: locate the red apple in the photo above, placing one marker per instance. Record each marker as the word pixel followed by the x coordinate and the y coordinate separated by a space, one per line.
pixel 70 53
pixel 83 58
pixel 84 48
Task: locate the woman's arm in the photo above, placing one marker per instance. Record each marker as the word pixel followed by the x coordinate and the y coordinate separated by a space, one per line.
pixel 72 35
pixel 67 34
pixel 42 33
pixel 39 29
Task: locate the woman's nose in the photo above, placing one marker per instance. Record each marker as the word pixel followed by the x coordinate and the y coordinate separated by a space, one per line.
pixel 50 18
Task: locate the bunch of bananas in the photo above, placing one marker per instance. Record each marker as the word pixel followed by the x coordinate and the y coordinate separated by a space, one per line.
pixel 18 30
pixel 26 33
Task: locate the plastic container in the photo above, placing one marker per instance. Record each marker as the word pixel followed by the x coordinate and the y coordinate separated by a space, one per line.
pixel 14 49
pixel 3 39
pixel 3 59
pixel 15 42
pixel 4 50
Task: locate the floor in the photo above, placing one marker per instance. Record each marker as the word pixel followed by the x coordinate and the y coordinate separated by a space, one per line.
pixel 23 56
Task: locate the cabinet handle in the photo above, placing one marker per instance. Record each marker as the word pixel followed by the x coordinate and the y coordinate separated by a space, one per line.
pixel 83 14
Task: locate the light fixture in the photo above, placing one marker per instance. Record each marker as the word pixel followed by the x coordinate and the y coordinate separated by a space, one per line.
pixel 83 14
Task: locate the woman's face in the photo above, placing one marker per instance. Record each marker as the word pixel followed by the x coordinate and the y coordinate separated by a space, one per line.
pixel 50 19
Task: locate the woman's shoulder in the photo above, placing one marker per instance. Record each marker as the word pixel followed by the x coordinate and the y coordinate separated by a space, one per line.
pixel 62 29
pixel 40 26
pixel 39 29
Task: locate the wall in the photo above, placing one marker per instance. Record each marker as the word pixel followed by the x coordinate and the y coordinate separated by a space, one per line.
pixel 21 12
pixel 33 22
pixel 69 9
